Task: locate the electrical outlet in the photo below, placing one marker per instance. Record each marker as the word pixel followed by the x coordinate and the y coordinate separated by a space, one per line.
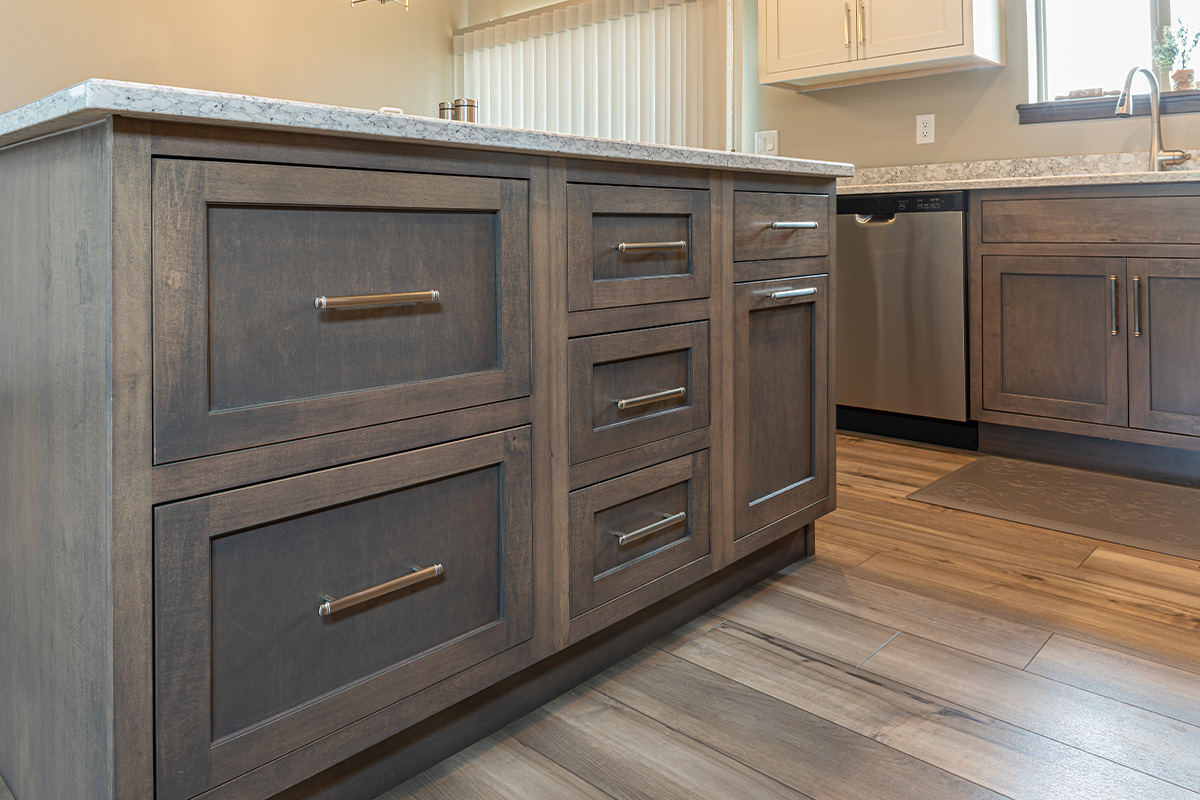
pixel 924 128
pixel 766 143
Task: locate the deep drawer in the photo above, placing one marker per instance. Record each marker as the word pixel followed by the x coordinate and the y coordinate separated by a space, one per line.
pixel 1098 220
pixel 630 530
pixel 629 389
pixel 244 354
pixel 634 245
pixel 248 670
pixel 779 225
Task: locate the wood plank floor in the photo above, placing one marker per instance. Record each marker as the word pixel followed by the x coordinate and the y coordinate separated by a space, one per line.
pixel 922 653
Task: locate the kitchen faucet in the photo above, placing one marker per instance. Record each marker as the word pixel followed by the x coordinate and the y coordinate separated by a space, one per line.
pixel 1159 156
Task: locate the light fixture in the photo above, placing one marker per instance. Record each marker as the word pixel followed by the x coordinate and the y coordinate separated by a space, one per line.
pixel 353 3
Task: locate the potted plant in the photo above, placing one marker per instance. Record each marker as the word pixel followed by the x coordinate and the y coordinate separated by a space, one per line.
pixel 1177 45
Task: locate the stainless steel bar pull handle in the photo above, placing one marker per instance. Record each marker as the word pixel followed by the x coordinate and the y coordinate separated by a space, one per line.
pixel 788 293
pixel 647 399
pixel 366 300
pixel 792 226
pixel 667 521
pixel 1137 305
pixel 862 22
pixel 847 25
pixel 623 246
pixel 331 606
pixel 1112 312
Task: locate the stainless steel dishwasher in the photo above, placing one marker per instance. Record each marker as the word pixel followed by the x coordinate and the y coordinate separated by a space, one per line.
pixel 901 305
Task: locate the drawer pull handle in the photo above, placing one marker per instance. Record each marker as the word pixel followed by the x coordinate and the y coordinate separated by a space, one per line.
pixel 647 399
pixel 623 246
pixel 1137 305
pixel 787 294
pixel 365 300
pixel 793 226
pixel 667 521
pixel 331 606
pixel 1112 312
pixel 847 25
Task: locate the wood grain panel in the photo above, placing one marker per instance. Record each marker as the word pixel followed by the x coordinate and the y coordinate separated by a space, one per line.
pixel 1164 370
pixel 56 584
pixel 754 212
pixel 1136 220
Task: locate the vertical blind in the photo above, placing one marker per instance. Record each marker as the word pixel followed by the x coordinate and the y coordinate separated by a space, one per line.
pixel 619 69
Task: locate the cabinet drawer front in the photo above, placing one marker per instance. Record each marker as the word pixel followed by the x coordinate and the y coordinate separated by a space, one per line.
pixel 781 400
pixel 243 354
pixel 1128 220
pixel 629 389
pixel 247 669
pixel 661 512
pixel 776 225
pixel 633 245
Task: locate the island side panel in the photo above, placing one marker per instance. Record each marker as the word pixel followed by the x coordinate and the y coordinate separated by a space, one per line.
pixel 55 480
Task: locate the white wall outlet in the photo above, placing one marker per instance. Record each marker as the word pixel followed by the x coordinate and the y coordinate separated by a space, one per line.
pixel 924 128
pixel 766 143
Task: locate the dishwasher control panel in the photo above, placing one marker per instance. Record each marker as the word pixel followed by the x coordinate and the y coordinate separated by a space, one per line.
pixel 900 203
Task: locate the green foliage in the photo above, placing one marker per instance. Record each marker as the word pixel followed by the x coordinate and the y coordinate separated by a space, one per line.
pixel 1177 45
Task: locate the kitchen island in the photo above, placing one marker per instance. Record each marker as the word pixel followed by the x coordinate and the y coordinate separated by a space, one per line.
pixel 333 439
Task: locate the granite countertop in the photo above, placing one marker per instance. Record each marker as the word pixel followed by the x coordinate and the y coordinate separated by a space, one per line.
pixel 1019 173
pixel 95 99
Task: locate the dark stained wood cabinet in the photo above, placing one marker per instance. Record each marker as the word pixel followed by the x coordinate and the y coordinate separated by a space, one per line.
pixel 530 455
pixel 1083 309
pixel 782 432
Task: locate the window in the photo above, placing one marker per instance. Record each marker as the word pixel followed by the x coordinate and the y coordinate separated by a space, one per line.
pixel 1092 44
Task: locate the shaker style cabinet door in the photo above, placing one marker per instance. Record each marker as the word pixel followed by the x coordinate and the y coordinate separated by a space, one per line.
pixel 295 301
pixel 893 27
pixel 287 610
pixel 1053 337
pixel 782 448
pixel 796 35
pixel 1164 340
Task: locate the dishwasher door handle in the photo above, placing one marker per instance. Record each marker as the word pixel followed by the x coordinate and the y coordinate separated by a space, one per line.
pixel 875 219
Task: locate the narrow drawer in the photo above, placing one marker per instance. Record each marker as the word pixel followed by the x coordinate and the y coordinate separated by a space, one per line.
pixel 630 530
pixel 779 225
pixel 629 389
pixel 629 245
pixel 248 669
pixel 1099 220
pixel 244 353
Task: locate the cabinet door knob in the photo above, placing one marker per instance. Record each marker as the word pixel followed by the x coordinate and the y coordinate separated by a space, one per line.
pixel 668 520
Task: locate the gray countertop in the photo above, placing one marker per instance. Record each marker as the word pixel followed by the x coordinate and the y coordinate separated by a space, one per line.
pixel 95 99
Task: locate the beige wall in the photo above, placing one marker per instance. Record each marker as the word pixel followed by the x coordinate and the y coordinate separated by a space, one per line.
pixel 976 118
pixel 313 50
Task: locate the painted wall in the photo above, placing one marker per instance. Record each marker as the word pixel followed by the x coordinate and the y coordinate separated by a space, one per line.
pixel 976 118
pixel 320 51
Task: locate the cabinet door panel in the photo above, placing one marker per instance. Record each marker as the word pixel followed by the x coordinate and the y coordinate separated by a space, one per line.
pixel 781 401
pixel 800 35
pixel 1164 369
pixel 1049 347
pixel 892 27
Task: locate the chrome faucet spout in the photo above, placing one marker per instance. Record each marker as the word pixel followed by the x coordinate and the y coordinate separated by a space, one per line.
pixel 1159 156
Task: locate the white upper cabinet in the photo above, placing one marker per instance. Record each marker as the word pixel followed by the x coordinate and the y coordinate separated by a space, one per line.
pixel 815 44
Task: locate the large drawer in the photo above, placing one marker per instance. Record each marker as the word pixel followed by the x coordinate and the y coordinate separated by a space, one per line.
pixel 629 389
pixel 247 669
pixel 243 353
pixel 630 530
pixel 779 225
pixel 634 245
pixel 1095 220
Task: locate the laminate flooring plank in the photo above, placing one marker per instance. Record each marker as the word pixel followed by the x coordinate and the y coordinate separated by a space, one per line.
pixel 1002 757
pixel 628 754
pixel 1020 598
pixel 974 631
pixel 497 768
pixel 823 630
pixel 836 555
pixel 1147 684
pixel 1154 569
pixel 825 760
pixel 681 636
pixel 1120 732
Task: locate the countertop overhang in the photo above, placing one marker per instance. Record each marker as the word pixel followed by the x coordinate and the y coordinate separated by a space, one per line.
pixel 95 99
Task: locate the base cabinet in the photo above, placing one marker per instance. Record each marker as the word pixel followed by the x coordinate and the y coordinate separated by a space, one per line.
pixel 1164 345
pixel 391 424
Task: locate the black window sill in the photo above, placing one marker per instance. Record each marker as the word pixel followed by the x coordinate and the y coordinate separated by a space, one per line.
pixel 1103 107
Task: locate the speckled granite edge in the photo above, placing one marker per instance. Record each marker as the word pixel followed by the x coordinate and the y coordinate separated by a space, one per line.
pixel 95 99
pixel 1084 170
